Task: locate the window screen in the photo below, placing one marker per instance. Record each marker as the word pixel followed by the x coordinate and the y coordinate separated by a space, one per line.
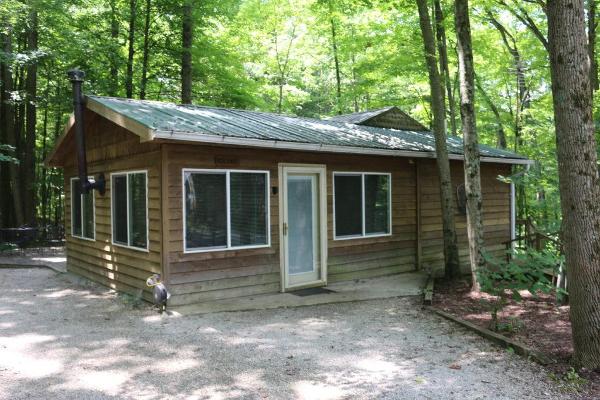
pixel 119 208
pixel 348 205
pixel 248 209
pixel 82 211
pixel 377 216
pixel 208 197
pixel 205 210
pixel 362 204
pixel 130 209
pixel 137 210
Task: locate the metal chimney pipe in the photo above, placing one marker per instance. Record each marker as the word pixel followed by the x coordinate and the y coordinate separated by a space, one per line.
pixel 77 77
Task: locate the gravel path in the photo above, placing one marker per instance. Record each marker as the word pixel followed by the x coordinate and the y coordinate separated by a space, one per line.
pixel 62 339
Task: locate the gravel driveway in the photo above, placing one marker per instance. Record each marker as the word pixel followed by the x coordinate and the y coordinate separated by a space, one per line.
pixel 60 339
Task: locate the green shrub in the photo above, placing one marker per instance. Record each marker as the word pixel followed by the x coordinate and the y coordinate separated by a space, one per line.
pixel 527 270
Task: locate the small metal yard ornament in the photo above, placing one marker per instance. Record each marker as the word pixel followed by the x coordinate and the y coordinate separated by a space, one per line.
pixel 161 294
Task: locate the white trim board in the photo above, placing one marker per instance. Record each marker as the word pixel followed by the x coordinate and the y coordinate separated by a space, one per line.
pixel 364 234
pixel 321 171
pixel 93 193
pixel 227 173
pixel 112 215
pixel 275 144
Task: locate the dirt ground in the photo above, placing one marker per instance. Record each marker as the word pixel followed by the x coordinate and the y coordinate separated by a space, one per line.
pixel 536 321
pixel 60 338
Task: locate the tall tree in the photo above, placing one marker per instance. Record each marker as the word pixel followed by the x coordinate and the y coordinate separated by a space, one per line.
pixel 579 182
pixel 186 52
pixel 9 119
pixel 131 49
pixel 282 57
pixel 145 56
pixel 592 25
pixel 500 135
pixel 452 266
pixel 440 33
pixel 29 192
pixel 336 60
pixel 466 74
pixel 114 35
pixel 5 114
pixel 522 96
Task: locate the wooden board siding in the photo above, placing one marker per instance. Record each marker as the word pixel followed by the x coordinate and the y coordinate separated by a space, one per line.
pixel 395 119
pixel 416 238
pixel 232 273
pixel 111 148
pixel 496 213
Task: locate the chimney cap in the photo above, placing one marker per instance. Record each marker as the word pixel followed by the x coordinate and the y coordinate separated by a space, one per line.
pixel 76 75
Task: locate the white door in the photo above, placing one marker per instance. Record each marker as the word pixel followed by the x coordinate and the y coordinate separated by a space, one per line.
pixel 303 226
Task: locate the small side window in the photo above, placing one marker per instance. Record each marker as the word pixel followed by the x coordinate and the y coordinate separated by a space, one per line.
pixel 130 209
pixel 82 212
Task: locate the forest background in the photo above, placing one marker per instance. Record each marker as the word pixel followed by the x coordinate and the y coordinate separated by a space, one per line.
pixel 313 58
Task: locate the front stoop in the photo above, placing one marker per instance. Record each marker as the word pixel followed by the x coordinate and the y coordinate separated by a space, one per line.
pixel 399 285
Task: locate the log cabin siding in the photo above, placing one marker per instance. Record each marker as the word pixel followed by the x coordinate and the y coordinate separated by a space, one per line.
pixel 496 214
pixel 415 242
pixel 223 274
pixel 111 148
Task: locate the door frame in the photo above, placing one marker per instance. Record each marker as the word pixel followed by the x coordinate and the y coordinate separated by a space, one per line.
pixel 321 171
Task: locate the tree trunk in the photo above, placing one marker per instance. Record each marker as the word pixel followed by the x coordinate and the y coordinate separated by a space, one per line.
pixel 354 83
pixel 578 173
pixel 336 60
pixel 28 177
pixel 144 81
pixel 131 51
pixel 280 98
pixel 522 97
pixel 57 176
pixel 592 25
pixel 9 121
pixel 452 266
pixel 186 53
pixel 6 204
pixel 444 68
pixel 470 139
pixel 114 64
pixel 44 176
pixel 500 135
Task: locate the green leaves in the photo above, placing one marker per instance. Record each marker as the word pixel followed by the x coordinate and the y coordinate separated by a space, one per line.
pixel 4 151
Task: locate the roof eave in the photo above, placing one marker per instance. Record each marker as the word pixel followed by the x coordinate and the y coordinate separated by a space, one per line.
pixel 49 160
pixel 276 144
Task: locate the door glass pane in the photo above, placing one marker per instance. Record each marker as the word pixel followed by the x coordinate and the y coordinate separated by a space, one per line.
pixel 248 207
pixel 137 210
pixel 88 214
pixel 76 207
pixel 377 196
pixel 119 194
pixel 205 210
pixel 348 205
pixel 301 224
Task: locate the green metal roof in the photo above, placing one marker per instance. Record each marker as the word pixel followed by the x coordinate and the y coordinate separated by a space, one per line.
pixel 192 122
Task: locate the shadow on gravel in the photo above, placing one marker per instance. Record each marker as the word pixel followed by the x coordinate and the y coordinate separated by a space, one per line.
pixel 63 340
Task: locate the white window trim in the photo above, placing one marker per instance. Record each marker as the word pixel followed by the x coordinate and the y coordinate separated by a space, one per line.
pixel 92 239
pixel 227 183
pixel 112 232
pixel 363 235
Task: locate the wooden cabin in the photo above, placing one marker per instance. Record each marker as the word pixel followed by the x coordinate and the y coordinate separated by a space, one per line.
pixel 227 203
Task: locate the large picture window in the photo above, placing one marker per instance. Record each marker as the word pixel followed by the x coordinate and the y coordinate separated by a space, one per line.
pixel 82 212
pixel 225 209
pixel 129 205
pixel 362 204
